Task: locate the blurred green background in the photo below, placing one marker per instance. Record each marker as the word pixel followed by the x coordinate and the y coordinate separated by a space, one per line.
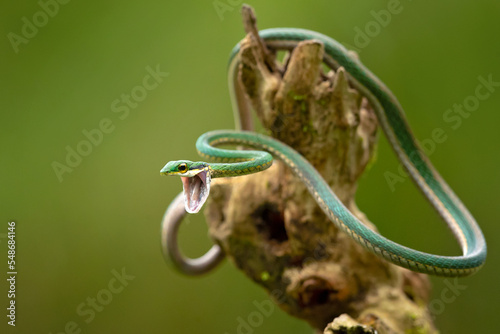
pixel 104 215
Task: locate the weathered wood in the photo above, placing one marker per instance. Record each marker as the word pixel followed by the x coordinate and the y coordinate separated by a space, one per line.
pixel 270 226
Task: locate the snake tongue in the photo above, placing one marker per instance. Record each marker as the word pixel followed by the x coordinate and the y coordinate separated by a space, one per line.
pixel 196 190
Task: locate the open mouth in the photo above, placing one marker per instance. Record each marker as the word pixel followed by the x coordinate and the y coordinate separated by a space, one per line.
pixel 196 190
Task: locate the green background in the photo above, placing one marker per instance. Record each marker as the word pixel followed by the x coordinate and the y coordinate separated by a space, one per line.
pixel 106 213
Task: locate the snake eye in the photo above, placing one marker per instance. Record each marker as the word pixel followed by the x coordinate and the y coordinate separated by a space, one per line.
pixel 182 168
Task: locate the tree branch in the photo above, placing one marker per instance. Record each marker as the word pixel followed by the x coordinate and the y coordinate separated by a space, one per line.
pixel 272 229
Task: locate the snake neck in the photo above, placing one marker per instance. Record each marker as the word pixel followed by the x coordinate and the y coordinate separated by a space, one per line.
pixel 219 170
pixel 238 168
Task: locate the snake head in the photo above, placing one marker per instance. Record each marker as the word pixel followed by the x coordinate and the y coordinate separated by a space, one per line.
pixel 196 180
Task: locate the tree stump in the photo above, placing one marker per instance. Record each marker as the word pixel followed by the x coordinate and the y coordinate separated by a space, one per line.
pixel 271 228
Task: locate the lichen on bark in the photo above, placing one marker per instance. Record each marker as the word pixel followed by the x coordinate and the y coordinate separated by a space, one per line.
pixel 271 227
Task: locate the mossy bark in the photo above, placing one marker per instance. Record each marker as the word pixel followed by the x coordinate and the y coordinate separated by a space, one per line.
pixel 272 229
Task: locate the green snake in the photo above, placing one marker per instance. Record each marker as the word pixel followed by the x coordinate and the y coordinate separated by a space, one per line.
pixel 196 176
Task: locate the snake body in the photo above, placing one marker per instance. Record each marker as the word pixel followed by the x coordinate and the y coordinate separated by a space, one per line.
pixel 392 120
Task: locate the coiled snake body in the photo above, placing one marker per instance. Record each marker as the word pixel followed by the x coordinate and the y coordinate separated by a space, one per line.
pixel 196 176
